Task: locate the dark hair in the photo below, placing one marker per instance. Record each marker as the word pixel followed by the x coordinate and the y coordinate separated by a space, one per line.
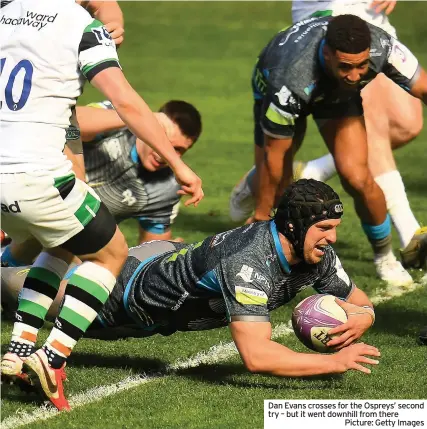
pixel 186 116
pixel 349 34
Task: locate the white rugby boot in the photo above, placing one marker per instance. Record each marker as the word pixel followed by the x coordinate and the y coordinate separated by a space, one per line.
pixel 390 270
pixel 242 201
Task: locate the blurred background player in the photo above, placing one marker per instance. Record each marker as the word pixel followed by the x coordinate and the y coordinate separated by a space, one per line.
pixel 393 118
pixel 326 81
pixel 237 278
pixel 41 198
pixel 132 180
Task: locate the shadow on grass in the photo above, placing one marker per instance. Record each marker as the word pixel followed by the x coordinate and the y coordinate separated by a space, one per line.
pixel 15 394
pixel 399 321
pixel 237 375
pixel 139 364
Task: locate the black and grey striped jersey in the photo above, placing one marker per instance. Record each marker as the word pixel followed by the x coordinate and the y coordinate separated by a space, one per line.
pixel 125 187
pixel 241 274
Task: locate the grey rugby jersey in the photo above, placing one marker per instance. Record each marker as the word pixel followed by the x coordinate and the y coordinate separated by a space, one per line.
pixel 290 77
pixel 241 274
pixel 125 187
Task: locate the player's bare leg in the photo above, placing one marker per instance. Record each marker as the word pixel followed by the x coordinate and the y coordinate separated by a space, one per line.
pixel 398 124
pixel 347 141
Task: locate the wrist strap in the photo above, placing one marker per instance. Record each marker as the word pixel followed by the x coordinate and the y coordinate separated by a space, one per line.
pixel 371 312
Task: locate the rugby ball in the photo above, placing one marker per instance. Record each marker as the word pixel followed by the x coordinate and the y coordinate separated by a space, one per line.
pixel 312 319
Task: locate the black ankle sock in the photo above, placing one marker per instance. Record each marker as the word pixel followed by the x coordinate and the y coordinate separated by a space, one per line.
pixel 55 360
pixel 21 349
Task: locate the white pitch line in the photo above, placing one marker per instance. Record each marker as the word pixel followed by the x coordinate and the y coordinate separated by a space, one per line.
pixel 217 353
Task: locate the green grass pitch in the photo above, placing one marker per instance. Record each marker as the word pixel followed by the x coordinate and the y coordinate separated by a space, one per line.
pixel 203 52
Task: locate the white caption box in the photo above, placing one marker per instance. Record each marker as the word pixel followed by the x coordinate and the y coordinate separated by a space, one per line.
pixel 344 414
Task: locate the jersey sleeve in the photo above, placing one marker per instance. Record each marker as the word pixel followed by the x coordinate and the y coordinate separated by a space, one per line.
pixel 246 293
pixel 97 50
pixel 333 279
pixel 401 66
pixel 280 110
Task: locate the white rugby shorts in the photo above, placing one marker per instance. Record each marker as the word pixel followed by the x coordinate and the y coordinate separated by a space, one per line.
pixel 46 206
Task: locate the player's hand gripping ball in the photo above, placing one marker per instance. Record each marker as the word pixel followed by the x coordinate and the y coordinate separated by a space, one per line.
pixel 312 319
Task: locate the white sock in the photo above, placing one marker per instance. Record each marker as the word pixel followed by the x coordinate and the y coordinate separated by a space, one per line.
pixel 398 207
pixel 322 168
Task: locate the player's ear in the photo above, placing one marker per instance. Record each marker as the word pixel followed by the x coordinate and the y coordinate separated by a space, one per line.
pixel 327 52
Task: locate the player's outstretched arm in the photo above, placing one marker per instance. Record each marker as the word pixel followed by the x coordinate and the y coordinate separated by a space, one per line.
pixel 419 88
pixel 94 121
pixel 260 354
pixel 139 118
pixel 273 173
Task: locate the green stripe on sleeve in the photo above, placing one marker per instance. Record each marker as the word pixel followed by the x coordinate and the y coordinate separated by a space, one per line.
pixel 94 24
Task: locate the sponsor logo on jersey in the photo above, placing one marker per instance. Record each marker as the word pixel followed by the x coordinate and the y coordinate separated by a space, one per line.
pixel 270 259
pixel 11 208
pixel 113 148
pixel 249 276
pixel 403 60
pixel 248 228
pixel 287 115
pixel 294 29
pixel 72 133
pixel 309 89
pixel 284 96
pixel 309 28
pixel 180 301
pixel 384 43
pixel 103 36
pixel 128 199
pixel 399 52
pixel 33 19
pixel 219 238
pixel 249 296
pixel 246 273
pixel 373 53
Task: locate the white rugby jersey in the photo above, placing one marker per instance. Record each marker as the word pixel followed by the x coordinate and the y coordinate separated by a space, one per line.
pixel 303 9
pixel 49 48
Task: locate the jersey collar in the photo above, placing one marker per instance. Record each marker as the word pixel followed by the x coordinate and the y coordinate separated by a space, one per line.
pixel 282 258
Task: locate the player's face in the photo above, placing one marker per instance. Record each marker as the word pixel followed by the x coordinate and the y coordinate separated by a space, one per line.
pixel 318 237
pixel 348 69
pixel 152 161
